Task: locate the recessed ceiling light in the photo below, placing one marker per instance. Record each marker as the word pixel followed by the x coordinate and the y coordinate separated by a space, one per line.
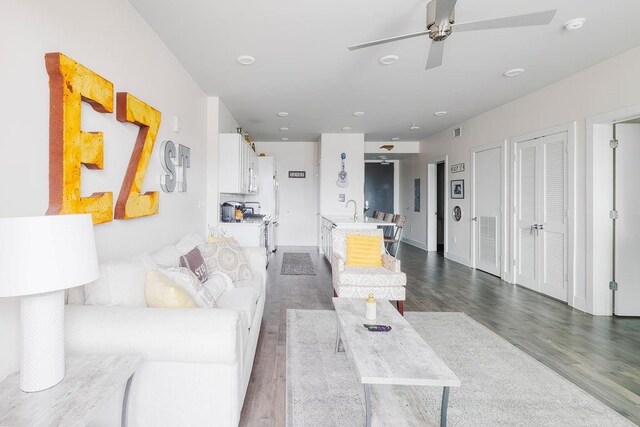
pixel 389 59
pixel 440 113
pixel 283 129
pixel 284 139
pixel 246 59
pixel 513 72
pixel 395 138
pixel 414 127
pixel 574 24
pixel 358 114
pixel 283 114
pixel 346 128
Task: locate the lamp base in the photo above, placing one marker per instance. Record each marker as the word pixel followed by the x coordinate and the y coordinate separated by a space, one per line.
pixel 42 359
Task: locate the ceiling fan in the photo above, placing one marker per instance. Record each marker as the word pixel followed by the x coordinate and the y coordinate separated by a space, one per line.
pixel 441 23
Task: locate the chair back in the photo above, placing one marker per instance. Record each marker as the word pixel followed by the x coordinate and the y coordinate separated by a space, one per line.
pixel 339 239
pixel 388 217
pixel 378 215
pixel 373 214
pixel 399 220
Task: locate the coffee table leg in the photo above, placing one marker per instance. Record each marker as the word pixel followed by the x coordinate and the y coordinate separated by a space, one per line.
pixel 367 404
pixel 443 409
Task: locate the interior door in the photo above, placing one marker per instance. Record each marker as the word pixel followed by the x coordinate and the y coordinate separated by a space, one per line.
pixel 378 187
pixel 527 263
pixel 628 222
pixel 487 215
pixel 552 223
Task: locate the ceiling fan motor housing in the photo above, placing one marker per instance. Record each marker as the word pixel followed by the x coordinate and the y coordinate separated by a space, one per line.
pixel 438 30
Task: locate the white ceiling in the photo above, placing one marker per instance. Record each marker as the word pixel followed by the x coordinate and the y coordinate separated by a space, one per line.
pixel 303 65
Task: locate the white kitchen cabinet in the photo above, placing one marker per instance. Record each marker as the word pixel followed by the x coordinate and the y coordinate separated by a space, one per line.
pixel 237 165
pixel 251 234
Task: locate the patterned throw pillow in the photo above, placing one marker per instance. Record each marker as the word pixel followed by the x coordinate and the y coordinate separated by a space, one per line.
pixel 188 281
pixel 193 261
pixel 226 256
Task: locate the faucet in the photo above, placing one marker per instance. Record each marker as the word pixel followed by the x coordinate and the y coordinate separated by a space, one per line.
pixel 355 209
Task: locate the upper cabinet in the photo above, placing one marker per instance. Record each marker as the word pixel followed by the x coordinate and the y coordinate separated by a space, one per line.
pixel 237 165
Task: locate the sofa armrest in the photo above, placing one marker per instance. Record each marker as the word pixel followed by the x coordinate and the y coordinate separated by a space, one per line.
pixel 390 263
pixel 256 258
pixel 160 334
pixel 337 267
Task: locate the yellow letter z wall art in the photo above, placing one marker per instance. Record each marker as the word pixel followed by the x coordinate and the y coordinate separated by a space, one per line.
pixel 70 83
pixel 131 203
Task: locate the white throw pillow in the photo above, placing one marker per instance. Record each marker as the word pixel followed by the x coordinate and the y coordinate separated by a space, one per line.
pixel 121 283
pixel 169 256
pixel 191 284
pixel 218 283
pixel 188 242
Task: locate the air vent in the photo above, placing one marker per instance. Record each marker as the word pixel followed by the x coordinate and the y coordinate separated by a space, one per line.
pixel 457 132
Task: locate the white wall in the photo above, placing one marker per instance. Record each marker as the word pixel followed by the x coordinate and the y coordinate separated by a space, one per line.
pixel 415 230
pixel 331 145
pixel 111 39
pixel 607 86
pixel 298 197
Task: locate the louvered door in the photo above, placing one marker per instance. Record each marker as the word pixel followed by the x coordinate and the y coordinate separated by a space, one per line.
pixel 541 215
pixel 487 197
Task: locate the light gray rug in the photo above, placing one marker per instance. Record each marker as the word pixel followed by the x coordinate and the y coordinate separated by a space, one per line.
pixel 297 264
pixel 501 385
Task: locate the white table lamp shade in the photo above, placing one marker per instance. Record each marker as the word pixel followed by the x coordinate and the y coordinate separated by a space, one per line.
pixel 39 258
pixel 46 253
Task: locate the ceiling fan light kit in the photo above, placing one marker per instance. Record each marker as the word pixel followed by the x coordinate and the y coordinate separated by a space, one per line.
pixel 441 24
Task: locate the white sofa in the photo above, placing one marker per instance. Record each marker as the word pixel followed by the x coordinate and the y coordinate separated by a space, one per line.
pixel 197 361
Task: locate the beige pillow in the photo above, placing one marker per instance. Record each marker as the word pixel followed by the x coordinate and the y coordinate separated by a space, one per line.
pixel 226 256
pixel 160 291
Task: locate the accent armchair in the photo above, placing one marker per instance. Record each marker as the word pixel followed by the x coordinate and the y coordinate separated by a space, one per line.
pixel 385 282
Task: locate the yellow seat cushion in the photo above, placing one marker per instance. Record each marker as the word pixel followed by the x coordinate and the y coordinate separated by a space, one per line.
pixel 162 292
pixel 364 251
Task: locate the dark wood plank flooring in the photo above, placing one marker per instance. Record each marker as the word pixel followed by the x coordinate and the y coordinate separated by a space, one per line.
pixel 601 355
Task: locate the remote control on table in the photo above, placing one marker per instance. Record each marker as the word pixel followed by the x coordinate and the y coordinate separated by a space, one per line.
pixel 377 328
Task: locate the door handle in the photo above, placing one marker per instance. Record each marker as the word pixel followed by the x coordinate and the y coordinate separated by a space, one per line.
pixel 475 218
pixel 533 227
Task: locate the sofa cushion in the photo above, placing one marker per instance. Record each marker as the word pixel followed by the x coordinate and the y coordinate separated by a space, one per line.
pixel 193 261
pixel 169 256
pixel 256 283
pixel 242 300
pixel 227 257
pixel 188 242
pixel 120 283
pixel 191 284
pixel 371 276
pixel 162 292
pixel 218 283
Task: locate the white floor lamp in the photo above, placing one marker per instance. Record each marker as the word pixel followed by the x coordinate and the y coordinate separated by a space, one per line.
pixel 40 257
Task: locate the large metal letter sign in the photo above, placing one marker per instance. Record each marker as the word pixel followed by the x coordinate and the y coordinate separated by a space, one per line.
pixel 131 203
pixel 167 158
pixel 71 83
pixel 184 161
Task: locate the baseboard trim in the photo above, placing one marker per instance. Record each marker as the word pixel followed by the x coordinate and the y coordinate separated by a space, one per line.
pixel 579 303
pixel 458 259
pixel 414 243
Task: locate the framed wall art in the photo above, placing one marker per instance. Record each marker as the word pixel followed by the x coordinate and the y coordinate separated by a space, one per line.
pixel 457 189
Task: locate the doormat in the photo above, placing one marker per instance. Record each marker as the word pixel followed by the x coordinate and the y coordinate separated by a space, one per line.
pixel 297 264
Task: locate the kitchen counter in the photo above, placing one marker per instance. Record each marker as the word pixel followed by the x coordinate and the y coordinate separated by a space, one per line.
pixel 347 221
pixel 243 223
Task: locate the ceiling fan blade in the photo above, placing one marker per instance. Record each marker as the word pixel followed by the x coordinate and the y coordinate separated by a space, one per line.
pixel 435 55
pixel 444 9
pixel 530 19
pixel 390 39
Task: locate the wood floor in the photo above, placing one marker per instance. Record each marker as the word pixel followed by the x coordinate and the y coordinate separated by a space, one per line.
pixel 601 355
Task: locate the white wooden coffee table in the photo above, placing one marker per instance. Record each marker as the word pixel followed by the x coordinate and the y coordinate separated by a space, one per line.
pixel 399 357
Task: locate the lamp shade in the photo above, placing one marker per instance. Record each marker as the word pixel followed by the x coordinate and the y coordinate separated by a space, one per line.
pixel 46 253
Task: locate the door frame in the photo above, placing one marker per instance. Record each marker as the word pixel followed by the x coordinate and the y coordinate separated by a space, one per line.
pixel 570 129
pixel 504 229
pixel 598 299
pixel 432 204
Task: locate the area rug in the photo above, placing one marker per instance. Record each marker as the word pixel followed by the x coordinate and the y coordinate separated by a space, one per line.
pixel 501 385
pixel 297 264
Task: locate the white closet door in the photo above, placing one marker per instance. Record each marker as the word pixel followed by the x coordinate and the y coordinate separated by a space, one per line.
pixel 527 263
pixel 628 222
pixel 552 223
pixel 487 200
